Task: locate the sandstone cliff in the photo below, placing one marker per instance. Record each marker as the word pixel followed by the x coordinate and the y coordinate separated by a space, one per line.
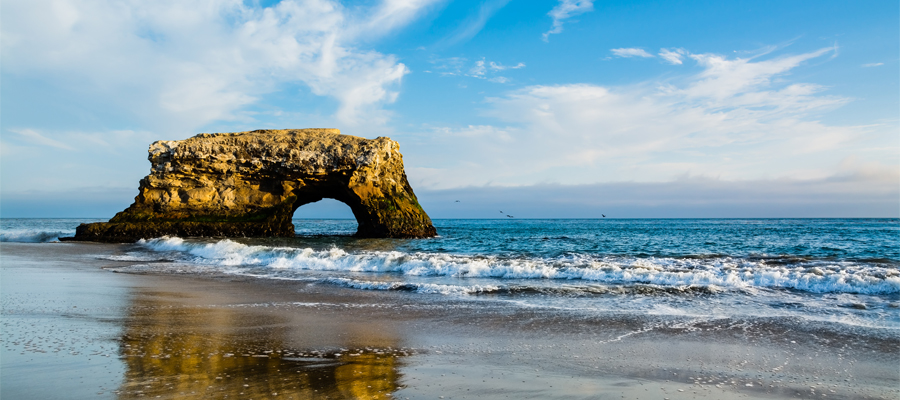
pixel 250 184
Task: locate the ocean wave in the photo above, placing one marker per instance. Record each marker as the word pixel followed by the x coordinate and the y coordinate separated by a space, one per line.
pixel 430 288
pixel 817 276
pixel 32 236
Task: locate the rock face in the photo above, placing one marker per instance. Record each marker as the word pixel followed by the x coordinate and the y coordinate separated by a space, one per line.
pixel 248 184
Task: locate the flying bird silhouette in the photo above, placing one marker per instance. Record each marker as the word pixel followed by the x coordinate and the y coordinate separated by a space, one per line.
pixel 604 215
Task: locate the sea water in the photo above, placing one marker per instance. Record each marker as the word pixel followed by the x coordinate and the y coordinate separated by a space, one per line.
pixel 843 272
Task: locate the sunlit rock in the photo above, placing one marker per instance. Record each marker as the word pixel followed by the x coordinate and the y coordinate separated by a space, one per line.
pixel 248 184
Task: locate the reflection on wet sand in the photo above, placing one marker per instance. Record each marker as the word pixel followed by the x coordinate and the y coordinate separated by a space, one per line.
pixel 172 350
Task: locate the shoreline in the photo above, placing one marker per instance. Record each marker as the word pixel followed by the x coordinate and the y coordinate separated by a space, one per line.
pixel 189 336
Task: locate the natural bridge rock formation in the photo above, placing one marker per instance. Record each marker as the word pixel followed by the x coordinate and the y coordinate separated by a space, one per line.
pixel 250 183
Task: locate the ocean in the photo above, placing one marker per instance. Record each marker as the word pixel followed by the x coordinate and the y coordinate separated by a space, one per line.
pixel 490 309
pixel 844 273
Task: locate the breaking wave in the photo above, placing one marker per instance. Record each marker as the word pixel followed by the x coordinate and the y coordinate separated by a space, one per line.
pixel 809 275
pixel 32 236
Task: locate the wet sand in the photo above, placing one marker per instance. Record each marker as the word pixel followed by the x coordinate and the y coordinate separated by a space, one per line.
pixel 73 329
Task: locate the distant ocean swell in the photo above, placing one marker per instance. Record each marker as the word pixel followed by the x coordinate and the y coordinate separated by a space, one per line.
pixel 816 276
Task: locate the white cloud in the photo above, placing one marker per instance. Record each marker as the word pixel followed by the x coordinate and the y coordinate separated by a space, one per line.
pixel 478 70
pixel 872 65
pixel 170 68
pixel 34 137
pixel 738 119
pixel 630 52
pixel 564 10
pixel 184 64
pixel 499 67
pixel 672 56
pixel 724 78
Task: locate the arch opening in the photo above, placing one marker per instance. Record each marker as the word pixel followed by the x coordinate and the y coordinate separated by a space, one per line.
pixel 325 217
pixel 269 176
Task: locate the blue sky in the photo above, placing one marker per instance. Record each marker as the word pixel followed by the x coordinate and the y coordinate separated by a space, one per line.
pixel 546 108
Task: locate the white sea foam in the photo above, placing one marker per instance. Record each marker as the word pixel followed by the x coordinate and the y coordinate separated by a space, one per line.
pixel 32 236
pixel 722 272
pixel 413 287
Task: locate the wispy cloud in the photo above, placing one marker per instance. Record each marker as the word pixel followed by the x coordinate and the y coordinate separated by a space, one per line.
pixel 499 67
pixel 34 137
pixel 474 23
pixel 738 119
pixel 386 16
pixel 450 66
pixel 872 65
pixel 564 10
pixel 630 52
pixel 184 64
pixel 674 56
pixel 67 159
pixel 478 70
pixel 481 69
pixel 726 78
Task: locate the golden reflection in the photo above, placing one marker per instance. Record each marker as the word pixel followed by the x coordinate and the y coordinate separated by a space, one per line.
pixel 366 376
pixel 177 351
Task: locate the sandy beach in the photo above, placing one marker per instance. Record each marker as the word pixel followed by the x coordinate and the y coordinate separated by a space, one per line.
pixel 73 328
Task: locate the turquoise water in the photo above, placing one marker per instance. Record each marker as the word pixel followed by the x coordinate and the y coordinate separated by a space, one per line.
pixel 856 239
pixel 842 271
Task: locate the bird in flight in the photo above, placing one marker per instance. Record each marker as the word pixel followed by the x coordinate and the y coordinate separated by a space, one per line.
pixel 457 201
pixel 604 215
pixel 510 216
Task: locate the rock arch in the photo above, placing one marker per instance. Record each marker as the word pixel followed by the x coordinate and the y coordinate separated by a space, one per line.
pixel 248 184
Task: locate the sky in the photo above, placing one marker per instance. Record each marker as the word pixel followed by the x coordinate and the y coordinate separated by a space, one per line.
pixel 542 109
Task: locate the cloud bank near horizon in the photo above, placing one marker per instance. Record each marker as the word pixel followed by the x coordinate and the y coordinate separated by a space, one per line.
pixel 849 196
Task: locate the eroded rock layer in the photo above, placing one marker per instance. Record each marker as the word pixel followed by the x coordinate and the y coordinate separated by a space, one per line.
pixel 248 184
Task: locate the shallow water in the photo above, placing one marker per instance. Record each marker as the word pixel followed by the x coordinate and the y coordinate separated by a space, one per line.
pixel 67 319
pixel 842 271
